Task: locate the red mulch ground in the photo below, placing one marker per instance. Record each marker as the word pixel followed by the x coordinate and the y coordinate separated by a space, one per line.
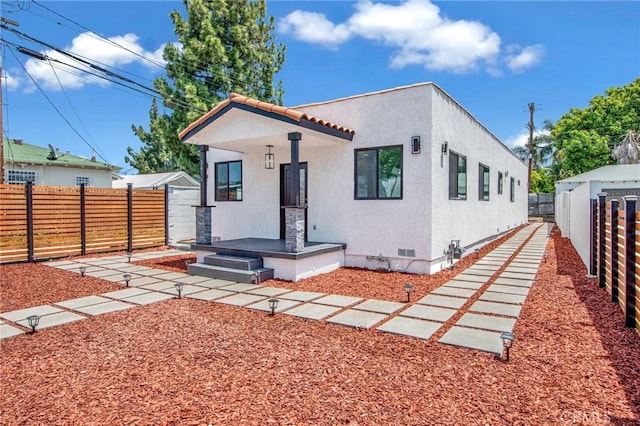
pixel 197 363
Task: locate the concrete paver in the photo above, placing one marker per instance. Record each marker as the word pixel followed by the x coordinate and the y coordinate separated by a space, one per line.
pixel 149 298
pixel 487 322
pixel 442 301
pixel 472 278
pixel 171 276
pixel 359 319
pixel 140 281
pixel 503 297
pixel 432 313
pixel 454 291
pixel 463 284
pixel 269 291
pixel 380 306
pixel 302 296
pixel 104 308
pixel 241 287
pixel 283 304
pixel 191 279
pixel 410 327
pixel 240 299
pixel 51 320
pixel 313 311
pixel 126 292
pixel 499 288
pixel 214 283
pixel 159 286
pixel 514 282
pixel 337 300
pixel 486 274
pixel 82 301
pixel 101 273
pixel 518 275
pixel 7 330
pixel 16 316
pixel 496 308
pixel 210 294
pixel 486 341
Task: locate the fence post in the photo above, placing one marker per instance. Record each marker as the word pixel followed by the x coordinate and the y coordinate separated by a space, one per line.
pixel 166 214
pixel 29 190
pixel 614 251
pixel 602 197
pixel 129 217
pixel 630 260
pixel 593 254
pixel 83 221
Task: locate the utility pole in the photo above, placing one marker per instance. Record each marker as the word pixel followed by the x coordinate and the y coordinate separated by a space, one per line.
pixel 15 24
pixel 532 108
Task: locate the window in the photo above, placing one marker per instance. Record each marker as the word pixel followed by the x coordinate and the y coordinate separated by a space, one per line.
pixel 378 173
pixel 83 179
pixel 457 176
pixel 512 190
pixel 500 182
pixel 483 179
pixel 229 181
pixel 20 176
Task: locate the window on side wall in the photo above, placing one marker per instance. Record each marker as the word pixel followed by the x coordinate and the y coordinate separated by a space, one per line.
pixel 20 177
pixel 483 179
pixel 457 176
pixel 378 173
pixel 512 190
pixel 500 182
pixel 229 181
pixel 86 180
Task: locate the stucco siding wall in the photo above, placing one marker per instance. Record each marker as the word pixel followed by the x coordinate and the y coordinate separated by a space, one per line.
pixel 472 220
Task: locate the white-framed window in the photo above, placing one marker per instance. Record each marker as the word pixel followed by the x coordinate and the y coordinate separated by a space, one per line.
pixel 83 179
pixel 20 177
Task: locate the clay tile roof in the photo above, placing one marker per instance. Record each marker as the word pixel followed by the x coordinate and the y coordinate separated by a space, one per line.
pixel 264 106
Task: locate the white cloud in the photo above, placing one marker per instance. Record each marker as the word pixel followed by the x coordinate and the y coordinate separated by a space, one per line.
pixel 96 51
pixel 522 139
pixel 418 33
pixel 11 81
pixel 525 57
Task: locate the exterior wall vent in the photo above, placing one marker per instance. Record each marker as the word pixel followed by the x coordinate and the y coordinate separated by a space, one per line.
pixel 407 252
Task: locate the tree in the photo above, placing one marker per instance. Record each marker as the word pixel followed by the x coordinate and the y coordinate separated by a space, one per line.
pixel 542 181
pixel 223 46
pixel 542 148
pixel 584 138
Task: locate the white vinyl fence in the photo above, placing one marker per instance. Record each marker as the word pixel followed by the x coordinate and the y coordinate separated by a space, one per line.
pixel 182 214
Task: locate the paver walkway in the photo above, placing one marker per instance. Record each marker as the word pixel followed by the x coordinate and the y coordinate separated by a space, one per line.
pixel 496 309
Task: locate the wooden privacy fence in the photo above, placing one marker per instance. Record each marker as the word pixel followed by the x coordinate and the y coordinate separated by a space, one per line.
pixel 616 253
pixel 39 222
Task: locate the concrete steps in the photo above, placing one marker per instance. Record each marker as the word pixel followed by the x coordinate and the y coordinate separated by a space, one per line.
pixel 231 268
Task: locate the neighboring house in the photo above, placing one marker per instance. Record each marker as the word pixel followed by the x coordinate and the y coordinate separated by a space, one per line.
pixel 184 194
pixel 406 174
pixel 157 180
pixel 616 180
pixel 24 162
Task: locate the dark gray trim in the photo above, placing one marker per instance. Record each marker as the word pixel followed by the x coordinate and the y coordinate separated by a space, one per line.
pixel 215 183
pixel 355 172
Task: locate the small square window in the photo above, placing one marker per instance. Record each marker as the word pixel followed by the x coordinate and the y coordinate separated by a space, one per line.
pixel 378 173
pixel 20 177
pixel 83 180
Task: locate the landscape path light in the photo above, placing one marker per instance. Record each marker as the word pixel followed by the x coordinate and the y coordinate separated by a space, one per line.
pixel 179 286
pixel 33 321
pixel 408 288
pixel 507 341
pixel 127 278
pixel 129 256
pixel 273 305
pixel 83 269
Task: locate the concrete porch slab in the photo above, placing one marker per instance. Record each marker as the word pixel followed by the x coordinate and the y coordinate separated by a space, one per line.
pixel 283 304
pixel 429 313
pixel 82 301
pixel 442 301
pixel 410 327
pixel 149 298
pixel 509 289
pixel 487 322
pixel 503 297
pixel 313 311
pixel 513 282
pixel 496 308
pixel 240 287
pixel 379 306
pixel 211 294
pixel 52 320
pixel 7 330
pixel 454 291
pixel 269 291
pixel 104 308
pixel 337 300
pixel 240 299
pixel 16 316
pixel 355 318
pixel 302 296
pixel 463 284
pixel 486 341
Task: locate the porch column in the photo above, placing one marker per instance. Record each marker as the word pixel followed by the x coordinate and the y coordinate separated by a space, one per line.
pixel 294 214
pixel 204 229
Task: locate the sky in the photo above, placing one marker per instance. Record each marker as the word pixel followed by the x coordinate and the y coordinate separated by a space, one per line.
pixel 493 57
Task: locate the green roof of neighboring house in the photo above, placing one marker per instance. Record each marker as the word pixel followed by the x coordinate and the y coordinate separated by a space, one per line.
pixel 18 152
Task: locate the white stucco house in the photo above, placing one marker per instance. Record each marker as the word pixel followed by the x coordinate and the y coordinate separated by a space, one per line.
pixel 24 162
pixel 386 180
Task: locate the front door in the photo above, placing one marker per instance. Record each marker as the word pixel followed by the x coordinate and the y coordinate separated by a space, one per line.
pixel 285 181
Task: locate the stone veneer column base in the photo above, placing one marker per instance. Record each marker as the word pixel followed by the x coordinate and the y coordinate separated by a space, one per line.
pixel 294 229
pixel 204 229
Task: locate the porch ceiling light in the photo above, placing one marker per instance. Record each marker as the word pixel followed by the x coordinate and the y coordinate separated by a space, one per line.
pixel 507 341
pixel 408 288
pixel 179 286
pixel 33 321
pixel 83 269
pixel 127 278
pixel 273 305
pixel 269 158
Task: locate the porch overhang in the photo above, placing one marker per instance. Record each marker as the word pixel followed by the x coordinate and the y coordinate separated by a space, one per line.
pixel 240 123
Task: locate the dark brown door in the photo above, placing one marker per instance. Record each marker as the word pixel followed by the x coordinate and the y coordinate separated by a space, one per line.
pixel 285 181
